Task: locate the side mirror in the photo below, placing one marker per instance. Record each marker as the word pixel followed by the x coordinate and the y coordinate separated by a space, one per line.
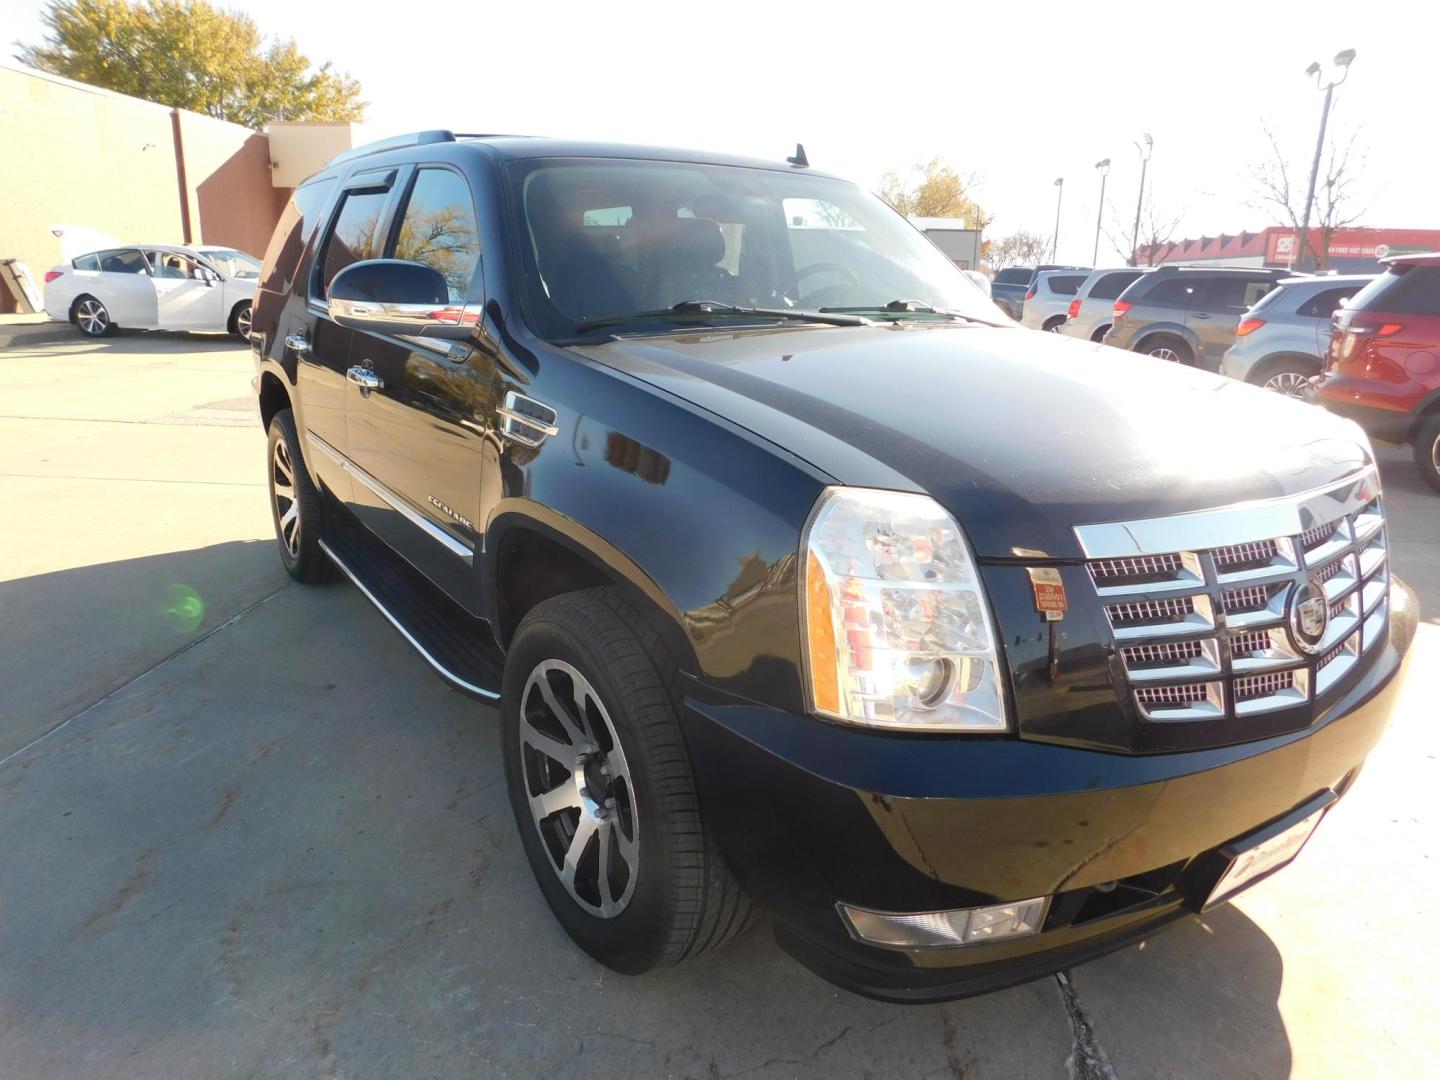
pixel 393 296
pixel 979 280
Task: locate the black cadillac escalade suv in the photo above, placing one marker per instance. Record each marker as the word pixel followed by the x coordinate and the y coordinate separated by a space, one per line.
pixel 804 580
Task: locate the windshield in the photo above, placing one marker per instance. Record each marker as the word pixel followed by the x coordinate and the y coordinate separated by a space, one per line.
pixel 611 237
pixel 234 263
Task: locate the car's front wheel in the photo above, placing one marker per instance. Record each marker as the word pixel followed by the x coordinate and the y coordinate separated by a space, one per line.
pixel 91 317
pixel 295 505
pixel 240 321
pixel 1426 446
pixel 602 790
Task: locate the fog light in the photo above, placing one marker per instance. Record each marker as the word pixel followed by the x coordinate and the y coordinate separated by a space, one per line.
pixel 945 929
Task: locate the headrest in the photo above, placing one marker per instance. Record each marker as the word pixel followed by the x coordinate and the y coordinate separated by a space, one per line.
pixel 694 241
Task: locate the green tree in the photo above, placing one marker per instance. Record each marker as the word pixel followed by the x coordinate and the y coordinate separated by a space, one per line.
pixel 933 189
pixel 192 55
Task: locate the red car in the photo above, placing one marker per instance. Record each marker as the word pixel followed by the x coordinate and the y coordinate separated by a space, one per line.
pixel 1383 365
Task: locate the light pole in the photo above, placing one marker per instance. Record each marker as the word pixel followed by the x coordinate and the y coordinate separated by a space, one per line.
pixel 1145 146
pixel 1104 167
pixel 1342 61
pixel 1059 194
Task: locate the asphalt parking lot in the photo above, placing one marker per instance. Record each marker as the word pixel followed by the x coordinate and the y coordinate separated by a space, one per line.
pixel 245 831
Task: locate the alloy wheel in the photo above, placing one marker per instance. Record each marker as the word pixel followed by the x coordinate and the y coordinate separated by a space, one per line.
pixel 242 322
pixel 579 788
pixel 287 506
pixel 92 317
pixel 1435 453
pixel 1289 383
pixel 1164 352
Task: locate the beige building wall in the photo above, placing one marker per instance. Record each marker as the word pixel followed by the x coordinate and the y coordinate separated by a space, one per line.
pixel 77 155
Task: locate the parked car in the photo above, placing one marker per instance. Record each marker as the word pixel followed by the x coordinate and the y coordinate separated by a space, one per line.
pixel 1048 299
pixel 1187 314
pixel 154 287
pixel 1383 366
pixel 1010 285
pixel 767 627
pixel 1280 342
pixel 1088 316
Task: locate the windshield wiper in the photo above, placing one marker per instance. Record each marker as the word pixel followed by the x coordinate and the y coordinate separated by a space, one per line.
pixel 905 307
pixel 702 308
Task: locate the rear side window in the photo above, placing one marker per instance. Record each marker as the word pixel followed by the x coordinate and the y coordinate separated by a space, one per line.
pixel 354 236
pixel 296 226
pixel 86 262
pixel 128 261
pixel 1404 289
pixel 1066 284
pixel 1176 292
pixel 1112 285
pixel 1234 294
pixel 1322 305
pixel 1013 275
pixel 438 228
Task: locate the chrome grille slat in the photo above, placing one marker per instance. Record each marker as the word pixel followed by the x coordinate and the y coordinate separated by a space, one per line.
pixel 1203 631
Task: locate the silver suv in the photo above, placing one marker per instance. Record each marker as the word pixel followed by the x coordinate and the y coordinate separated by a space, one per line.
pixel 1282 340
pixel 1090 311
pixel 1048 299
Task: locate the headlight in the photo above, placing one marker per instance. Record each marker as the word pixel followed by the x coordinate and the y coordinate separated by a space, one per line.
pixel 897 629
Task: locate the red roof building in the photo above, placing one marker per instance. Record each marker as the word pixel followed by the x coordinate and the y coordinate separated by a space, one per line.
pixel 1278 246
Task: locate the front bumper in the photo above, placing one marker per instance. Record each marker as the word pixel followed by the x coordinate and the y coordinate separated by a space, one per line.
pixel 811 814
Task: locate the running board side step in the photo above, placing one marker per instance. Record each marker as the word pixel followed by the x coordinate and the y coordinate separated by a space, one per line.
pixel 456 644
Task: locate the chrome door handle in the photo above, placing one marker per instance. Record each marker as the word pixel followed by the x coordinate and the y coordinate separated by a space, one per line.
pixel 364 378
pixel 297 343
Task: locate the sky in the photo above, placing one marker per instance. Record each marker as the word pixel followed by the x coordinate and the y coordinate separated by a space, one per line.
pixel 1014 95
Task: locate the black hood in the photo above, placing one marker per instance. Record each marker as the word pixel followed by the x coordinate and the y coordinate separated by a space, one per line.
pixel 1021 435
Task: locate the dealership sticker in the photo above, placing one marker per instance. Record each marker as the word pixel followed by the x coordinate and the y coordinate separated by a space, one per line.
pixel 1049 592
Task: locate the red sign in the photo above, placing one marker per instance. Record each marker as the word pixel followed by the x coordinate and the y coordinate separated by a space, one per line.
pixel 1049 589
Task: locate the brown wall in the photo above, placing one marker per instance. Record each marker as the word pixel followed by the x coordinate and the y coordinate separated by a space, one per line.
pixel 75 155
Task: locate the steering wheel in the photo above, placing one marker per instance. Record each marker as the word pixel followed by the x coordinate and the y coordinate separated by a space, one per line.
pixel 827 267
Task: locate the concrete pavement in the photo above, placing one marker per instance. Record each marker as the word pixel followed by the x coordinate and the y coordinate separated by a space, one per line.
pixel 261 836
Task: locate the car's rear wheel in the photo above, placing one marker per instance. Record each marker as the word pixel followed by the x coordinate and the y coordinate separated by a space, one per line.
pixel 91 317
pixel 1286 376
pixel 240 321
pixel 1054 325
pixel 1167 347
pixel 1100 332
pixel 601 787
pixel 1426 446
pixel 295 505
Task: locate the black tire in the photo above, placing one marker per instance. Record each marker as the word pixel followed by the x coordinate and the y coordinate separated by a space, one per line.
pixel 91 317
pixel 1167 347
pixel 297 534
pixel 1426 447
pixel 1285 375
pixel 679 899
pixel 239 323
pixel 1053 326
pixel 1099 335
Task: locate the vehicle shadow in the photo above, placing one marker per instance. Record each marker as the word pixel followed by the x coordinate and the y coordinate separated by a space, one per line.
pixel 124 341
pixel 289 849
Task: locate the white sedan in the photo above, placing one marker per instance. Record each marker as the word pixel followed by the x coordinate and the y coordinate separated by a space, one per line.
pixel 155 287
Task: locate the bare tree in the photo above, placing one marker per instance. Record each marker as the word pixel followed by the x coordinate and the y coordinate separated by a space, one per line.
pixel 1018 249
pixel 1281 187
pixel 1157 228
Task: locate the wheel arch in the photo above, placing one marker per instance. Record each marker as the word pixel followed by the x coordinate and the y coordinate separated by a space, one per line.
pixel 273 397
pixel 1428 407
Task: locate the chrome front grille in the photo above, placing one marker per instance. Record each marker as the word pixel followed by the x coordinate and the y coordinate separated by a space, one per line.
pixel 1206 609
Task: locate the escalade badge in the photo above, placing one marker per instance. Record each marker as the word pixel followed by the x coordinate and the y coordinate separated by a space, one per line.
pixel 1309 616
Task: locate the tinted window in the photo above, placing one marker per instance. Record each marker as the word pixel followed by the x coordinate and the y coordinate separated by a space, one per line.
pixel 128 261
pixel 1402 290
pixel 1323 305
pixel 1234 293
pixel 1013 275
pixel 293 231
pixel 86 262
pixel 1066 284
pixel 439 230
pixel 354 235
pixel 1176 292
pixel 1112 285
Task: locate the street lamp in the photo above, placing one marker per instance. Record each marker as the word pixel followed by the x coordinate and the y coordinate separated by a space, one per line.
pixel 1059 194
pixel 1145 146
pixel 1342 63
pixel 1104 167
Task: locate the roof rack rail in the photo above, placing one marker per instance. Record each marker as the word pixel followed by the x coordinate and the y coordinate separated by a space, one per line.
pixel 396 142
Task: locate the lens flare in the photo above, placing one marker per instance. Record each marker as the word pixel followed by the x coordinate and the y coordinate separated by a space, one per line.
pixel 186 606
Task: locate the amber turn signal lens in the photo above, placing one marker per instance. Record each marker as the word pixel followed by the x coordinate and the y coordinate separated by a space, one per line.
pixel 820 625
